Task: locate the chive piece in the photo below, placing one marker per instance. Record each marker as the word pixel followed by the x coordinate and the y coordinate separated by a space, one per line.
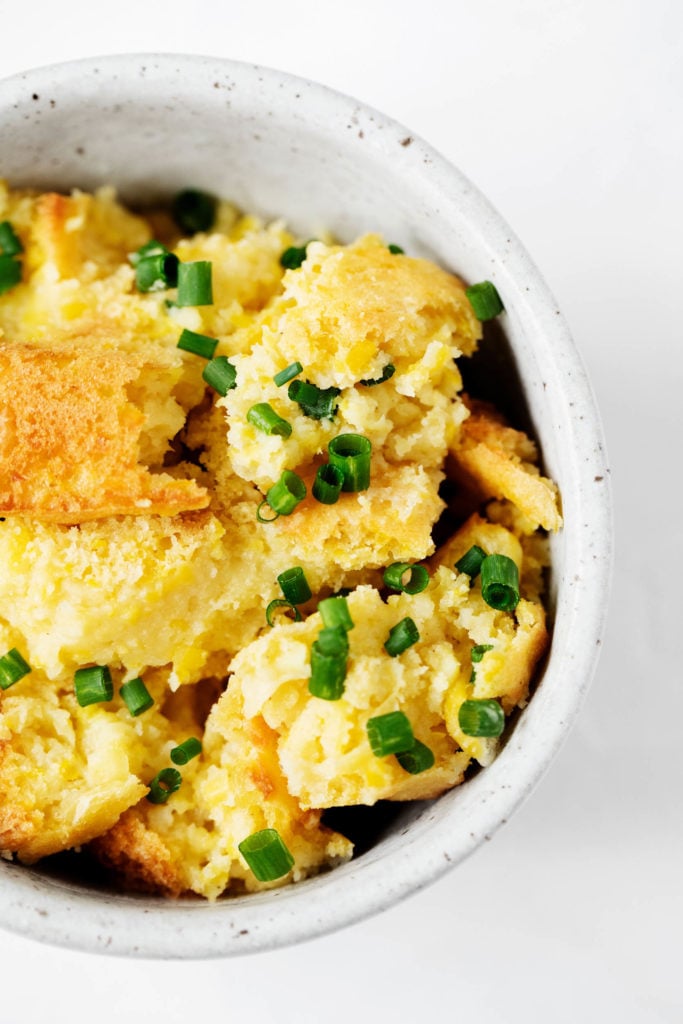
pixel 395 249
pixel 470 563
pixel 194 211
pixel 289 373
pixel 292 258
pixel 10 243
pixel 93 685
pixel 317 403
pixel 186 750
pixel 285 495
pixel 294 585
pixel 167 781
pixel 266 855
pixel 390 734
pixel 401 636
pixel 155 273
pixel 500 582
pixel 328 672
pixel 279 603
pixel 266 519
pixel 136 697
pixel 334 611
pixel 10 273
pixel 388 372
pixel 199 344
pixel 332 641
pixel 12 668
pixel 328 484
pixel 194 284
pixel 418 759
pixel 485 300
pixel 220 374
pixel 410 579
pixel 151 248
pixel 350 453
pixel 480 650
pixel 263 417
pixel 481 718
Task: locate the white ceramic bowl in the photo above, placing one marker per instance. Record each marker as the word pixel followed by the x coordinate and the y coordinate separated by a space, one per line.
pixel 281 146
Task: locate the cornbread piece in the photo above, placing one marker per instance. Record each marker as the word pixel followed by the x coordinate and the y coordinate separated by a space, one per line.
pixel 70 437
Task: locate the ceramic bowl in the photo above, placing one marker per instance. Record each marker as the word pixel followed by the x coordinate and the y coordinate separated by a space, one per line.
pixel 281 146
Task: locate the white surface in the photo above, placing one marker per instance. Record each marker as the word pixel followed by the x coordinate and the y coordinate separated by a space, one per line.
pixel 565 115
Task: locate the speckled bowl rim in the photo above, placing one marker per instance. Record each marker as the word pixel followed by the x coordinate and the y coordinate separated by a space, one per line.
pixel 53 911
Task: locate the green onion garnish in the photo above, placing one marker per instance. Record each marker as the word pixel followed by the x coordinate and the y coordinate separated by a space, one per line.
pixel 93 685
pixel 167 781
pixel 151 248
pixel 390 734
pixel 318 403
pixel 293 257
pixel 332 641
pixel 388 371
pixel 271 517
pixel 328 484
pixel 350 453
pixel 186 750
pixel 285 495
pixel 289 373
pixel 470 563
pixel 263 417
pixel 395 249
pixel 136 697
pixel 418 759
pixel 328 671
pixel 481 718
pixel 220 374
pixel 266 855
pixel 199 344
pixel 12 668
pixel 10 273
pixel 284 605
pixel 500 582
pixel 294 585
pixel 410 579
pixel 480 650
pixel 194 284
pixel 10 243
pixel 155 273
pixel 194 211
pixel 401 636
pixel 334 612
pixel 485 300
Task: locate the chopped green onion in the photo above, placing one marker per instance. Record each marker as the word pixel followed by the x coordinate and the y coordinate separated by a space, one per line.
pixel 395 249
pixel 293 257
pixel 155 273
pixel 136 696
pixel 481 718
pixel 401 636
pixel 334 611
pixel 390 734
pixel 317 403
pixel 266 855
pixel 327 484
pixel 263 417
pixel 93 685
pixel 410 579
pixel 186 750
pixel 279 603
pixel 199 344
pixel 350 453
pixel 285 495
pixel 470 563
pixel 10 243
pixel 167 781
pixel 12 668
pixel 388 372
pixel 194 211
pixel 332 641
pixel 220 374
pixel 500 582
pixel 328 671
pixel 418 759
pixel 289 373
pixel 10 273
pixel 480 650
pixel 266 519
pixel 294 585
pixel 151 248
pixel 194 284
pixel 485 300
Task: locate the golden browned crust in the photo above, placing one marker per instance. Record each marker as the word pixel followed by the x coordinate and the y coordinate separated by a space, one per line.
pixel 69 439
pixel 138 856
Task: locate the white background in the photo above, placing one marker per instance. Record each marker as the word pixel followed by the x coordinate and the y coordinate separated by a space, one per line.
pixel 568 116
